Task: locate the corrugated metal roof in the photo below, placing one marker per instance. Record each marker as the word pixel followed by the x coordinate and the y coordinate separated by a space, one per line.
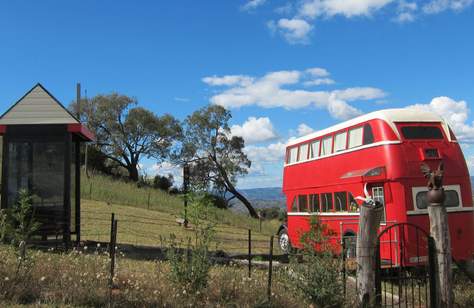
pixel 37 106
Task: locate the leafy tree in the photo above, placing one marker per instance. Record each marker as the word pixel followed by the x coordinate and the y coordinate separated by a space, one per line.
pixel 125 133
pixel 216 158
pixel 163 182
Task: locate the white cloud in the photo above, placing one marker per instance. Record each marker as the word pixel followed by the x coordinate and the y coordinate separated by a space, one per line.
pixel 456 114
pixel 470 164
pixel 271 153
pixel 295 30
pixel 298 19
pixel 406 11
pixel 228 80
pixel 271 91
pixel 255 130
pixel 319 81
pixel 304 129
pixel 252 4
pixel 318 72
pixel 165 168
pixel 438 6
pixel 348 8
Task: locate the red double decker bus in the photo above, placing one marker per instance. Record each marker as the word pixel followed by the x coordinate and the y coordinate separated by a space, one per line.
pixel 325 170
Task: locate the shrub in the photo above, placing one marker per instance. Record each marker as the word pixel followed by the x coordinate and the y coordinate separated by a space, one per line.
pixel 190 267
pixel 22 219
pixel 315 273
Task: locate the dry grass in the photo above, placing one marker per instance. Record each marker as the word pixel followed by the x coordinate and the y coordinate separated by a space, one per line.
pixel 77 279
pixel 138 226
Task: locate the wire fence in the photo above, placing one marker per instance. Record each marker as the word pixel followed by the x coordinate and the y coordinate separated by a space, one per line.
pixel 160 232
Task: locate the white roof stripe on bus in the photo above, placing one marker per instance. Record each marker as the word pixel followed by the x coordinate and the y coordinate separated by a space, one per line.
pixel 391 116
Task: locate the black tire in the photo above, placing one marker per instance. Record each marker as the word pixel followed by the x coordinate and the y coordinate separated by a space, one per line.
pixel 284 241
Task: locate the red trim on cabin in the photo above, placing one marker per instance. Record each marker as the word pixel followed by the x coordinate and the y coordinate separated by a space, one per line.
pixel 82 131
pixel 3 129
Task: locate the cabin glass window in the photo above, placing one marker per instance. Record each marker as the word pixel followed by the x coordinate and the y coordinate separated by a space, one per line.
pixel 355 137
pixel 315 149
pixel 292 154
pixel 302 203
pixel 353 206
pixel 422 132
pixel 340 201
pixel 368 134
pixel 303 153
pixel 340 142
pixel 451 199
pixel 314 203
pixel 326 146
pixel 326 202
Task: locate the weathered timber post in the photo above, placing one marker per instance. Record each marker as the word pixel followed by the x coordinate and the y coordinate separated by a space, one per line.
pixel 369 222
pixel 439 230
pixel 185 191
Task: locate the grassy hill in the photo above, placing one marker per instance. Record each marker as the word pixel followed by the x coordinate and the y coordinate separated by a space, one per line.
pixel 148 216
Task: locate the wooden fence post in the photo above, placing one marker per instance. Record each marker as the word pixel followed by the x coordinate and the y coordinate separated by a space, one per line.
pixel 250 253
pixel 439 230
pixel 148 204
pixel 270 270
pixel 369 222
pixel 113 243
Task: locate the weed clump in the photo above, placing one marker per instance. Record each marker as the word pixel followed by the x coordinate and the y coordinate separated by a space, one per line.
pixel 314 272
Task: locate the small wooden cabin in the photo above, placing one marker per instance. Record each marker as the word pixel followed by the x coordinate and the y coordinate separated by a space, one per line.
pixel 41 153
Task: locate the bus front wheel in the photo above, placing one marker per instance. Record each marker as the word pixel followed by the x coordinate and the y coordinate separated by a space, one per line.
pixel 284 241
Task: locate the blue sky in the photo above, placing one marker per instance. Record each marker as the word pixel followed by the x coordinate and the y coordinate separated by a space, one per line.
pixel 282 67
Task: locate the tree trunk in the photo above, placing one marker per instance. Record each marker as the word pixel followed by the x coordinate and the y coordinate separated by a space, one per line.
pixel 133 173
pixel 233 191
pixel 244 200
pixel 369 222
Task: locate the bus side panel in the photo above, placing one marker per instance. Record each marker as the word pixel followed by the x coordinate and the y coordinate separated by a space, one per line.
pixel 461 232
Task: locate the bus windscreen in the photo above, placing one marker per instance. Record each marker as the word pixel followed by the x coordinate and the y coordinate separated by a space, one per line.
pixel 422 132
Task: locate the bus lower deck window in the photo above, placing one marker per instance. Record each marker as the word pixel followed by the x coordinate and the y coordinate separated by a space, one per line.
pixel 302 203
pixel 326 202
pixel 340 200
pixel 314 203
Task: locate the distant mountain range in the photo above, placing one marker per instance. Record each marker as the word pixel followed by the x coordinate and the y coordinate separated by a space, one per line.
pixel 260 198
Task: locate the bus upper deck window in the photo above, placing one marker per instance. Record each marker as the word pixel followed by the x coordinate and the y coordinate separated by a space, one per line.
pixel 292 153
pixel 326 146
pixel 314 151
pixel 340 142
pixel 368 134
pixel 355 137
pixel 421 132
pixel 303 152
pixel 326 202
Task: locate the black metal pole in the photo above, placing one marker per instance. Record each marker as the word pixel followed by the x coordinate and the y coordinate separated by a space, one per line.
pixel 67 190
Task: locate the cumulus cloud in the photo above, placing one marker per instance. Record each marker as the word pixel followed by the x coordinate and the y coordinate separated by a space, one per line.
pixel 255 130
pixel 456 114
pixel 280 89
pixel 228 80
pixel 294 30
pixel 347 8
pixel 438 6
pixel 299 19
pixel 252 5
pixel 304 129
pixel 165 168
